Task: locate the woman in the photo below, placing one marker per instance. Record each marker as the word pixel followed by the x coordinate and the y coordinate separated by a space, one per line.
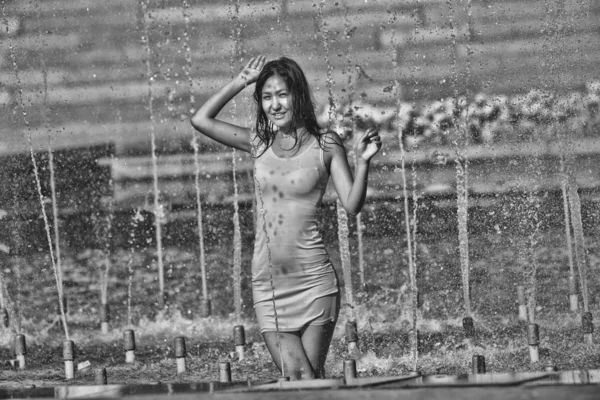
pixel 294 286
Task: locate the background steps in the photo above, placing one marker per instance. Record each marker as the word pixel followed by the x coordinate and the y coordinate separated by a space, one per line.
pixel 97 83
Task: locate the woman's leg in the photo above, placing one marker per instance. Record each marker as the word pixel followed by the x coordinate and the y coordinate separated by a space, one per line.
pixel 315 341
pixel 316 338
pixel 296 364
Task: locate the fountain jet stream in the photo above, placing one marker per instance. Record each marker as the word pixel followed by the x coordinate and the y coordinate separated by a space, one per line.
pixel 134 225
pixel 412 268
pixel 237 235
pixel 158 211
pixel 108 221
pixel 565 158
pixel 195 146
pixel 51 168
pixel 351 92
pixel 342 215
pixel 580 250
pixel 460 142
pixel 37 178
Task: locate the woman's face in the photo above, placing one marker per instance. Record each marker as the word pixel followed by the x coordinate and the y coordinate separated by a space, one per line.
pixel 276 102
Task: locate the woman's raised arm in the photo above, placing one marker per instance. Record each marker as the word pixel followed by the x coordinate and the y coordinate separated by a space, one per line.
pixel 204 119
pixel 353 191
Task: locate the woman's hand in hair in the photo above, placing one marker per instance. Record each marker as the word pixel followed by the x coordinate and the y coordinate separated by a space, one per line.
pixel 368 144
pixel 251 71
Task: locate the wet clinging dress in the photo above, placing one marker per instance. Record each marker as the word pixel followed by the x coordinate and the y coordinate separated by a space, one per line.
pixel 290 190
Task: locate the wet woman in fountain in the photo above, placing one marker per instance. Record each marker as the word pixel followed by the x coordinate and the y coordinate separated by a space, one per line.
pixel 294 287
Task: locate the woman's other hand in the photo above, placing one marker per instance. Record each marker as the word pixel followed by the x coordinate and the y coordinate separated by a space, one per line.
pixel 251 71
pixel 368 145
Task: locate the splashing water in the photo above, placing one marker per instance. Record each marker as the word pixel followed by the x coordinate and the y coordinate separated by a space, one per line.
pixel 283 26
pixel 52 170
pixel 52 176
pixel 342 216
pixel 158 212
pixel 351 92
pixel 134 225
pixel 407 225
pixel 531 267
pixel 565 158
pixel 565 196
pixel 55 213
pixel 195 146
pixel 580 251
pixel 237 235
pixel 108 220
pixel 37 179
pixel 460 142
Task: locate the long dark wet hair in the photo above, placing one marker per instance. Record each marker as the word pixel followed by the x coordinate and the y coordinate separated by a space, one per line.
pixel 303 107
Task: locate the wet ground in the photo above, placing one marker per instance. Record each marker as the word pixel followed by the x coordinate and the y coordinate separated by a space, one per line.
pixel 381 308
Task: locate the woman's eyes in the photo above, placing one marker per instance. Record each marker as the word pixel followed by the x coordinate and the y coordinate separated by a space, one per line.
pixel 281 95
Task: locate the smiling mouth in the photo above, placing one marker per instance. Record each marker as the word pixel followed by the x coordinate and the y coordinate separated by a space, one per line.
pixel 278 115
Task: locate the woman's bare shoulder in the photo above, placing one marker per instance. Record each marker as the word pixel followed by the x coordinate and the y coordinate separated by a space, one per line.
pixel 331 141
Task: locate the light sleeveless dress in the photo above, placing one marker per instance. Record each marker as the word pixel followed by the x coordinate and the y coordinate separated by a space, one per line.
pixel 290 190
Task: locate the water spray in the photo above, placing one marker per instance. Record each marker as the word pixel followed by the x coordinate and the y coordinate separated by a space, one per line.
pixel 460 144
pixel 573 298
pixel 580 250
pixel 342 215
pixel 237 235
pixel 205 310
pixel 104 279
pixel 134 223
pixel 581 258
pixel 158 210
pixel 37 177
pixel 351 92
pixel 55 216
pixel 54 204
pixel 412 268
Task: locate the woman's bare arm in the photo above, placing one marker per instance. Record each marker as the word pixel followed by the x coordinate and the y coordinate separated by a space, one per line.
pixel 204 119
pixel 353 191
